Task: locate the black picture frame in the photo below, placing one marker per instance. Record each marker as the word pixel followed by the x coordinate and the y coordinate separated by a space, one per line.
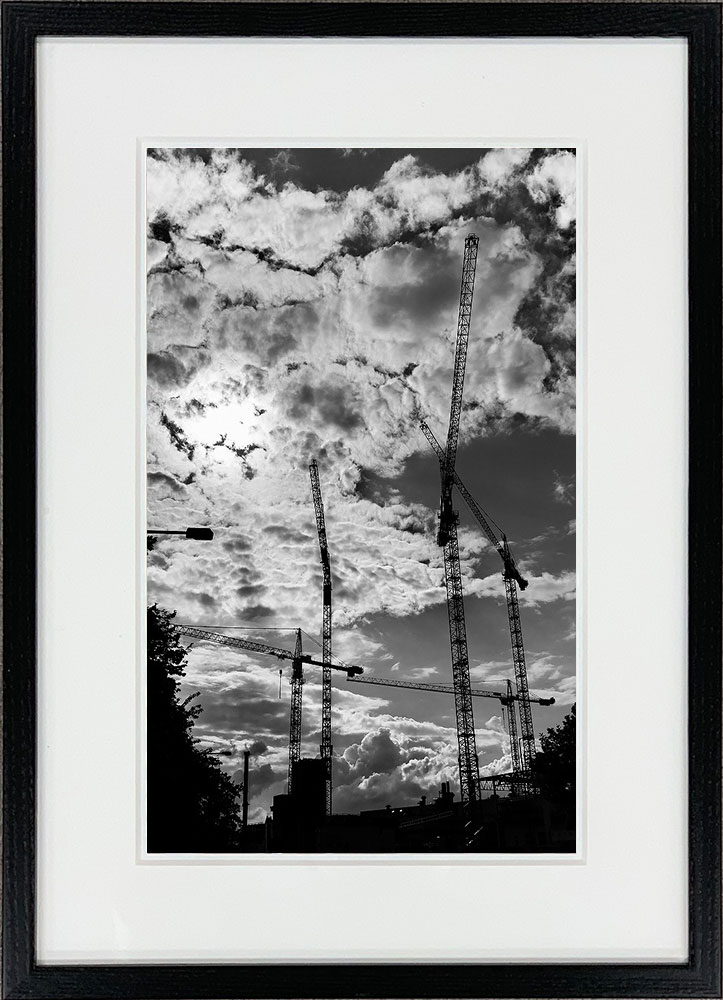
pixel 700 24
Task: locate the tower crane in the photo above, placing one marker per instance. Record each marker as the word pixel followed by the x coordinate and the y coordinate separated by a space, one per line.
pixel 298 658
pixel 506 698
pixel 447 538
pixel 326 747
pixel 513 579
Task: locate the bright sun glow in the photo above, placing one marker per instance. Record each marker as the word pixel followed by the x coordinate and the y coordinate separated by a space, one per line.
pixel 235 419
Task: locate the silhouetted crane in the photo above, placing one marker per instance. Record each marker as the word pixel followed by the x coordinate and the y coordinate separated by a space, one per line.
pixel 252 646
pixel 297 657
pixel 447 538
pixel 502 696
pixel 506 698
pixel 326 746
pixel 512 579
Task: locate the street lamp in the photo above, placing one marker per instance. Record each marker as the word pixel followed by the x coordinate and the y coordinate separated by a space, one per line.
pixel 199 534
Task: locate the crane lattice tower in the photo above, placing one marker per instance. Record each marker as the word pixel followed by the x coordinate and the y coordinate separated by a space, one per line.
pixel 326 748
pixel 447 538
pixel 297 690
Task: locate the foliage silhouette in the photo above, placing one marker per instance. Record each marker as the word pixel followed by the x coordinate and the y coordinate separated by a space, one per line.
pixel 192 803
pixel 555 764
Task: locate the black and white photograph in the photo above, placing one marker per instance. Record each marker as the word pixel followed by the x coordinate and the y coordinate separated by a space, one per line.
pixel 361 527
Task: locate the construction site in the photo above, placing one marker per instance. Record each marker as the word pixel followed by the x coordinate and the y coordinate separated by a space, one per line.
pixel 503 812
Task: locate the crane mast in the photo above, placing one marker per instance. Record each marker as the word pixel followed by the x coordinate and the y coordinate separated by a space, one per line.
pixel 297 690
pixel 447 538
pixel 512 579
pixel 509 703
pixel 518 659
pixel 466 741
pixel 469 267
pixel 326 748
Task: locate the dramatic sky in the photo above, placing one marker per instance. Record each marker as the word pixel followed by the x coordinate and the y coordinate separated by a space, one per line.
pixel 303 303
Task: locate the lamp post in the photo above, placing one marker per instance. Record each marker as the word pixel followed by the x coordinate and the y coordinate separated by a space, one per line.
pixel 198 534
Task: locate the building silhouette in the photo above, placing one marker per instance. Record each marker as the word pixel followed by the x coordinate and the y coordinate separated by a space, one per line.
pixel 505 823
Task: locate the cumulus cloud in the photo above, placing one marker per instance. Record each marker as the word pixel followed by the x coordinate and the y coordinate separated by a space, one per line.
pixel 499 164
pixel 398 768
pixel 543 588
pixel 553 181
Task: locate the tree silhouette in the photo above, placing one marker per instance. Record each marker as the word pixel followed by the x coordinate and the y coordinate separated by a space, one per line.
pixel 555 764
pixel 192 803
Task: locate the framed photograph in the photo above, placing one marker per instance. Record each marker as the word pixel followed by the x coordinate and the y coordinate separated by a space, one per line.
pixel 324 344
pixel 363 508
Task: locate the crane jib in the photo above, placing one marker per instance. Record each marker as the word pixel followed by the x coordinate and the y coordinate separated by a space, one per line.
pixel 510 568
pixel 251 646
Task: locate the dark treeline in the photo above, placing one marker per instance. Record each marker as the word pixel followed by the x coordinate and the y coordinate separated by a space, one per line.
pixel 555 764
pixel 192 804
